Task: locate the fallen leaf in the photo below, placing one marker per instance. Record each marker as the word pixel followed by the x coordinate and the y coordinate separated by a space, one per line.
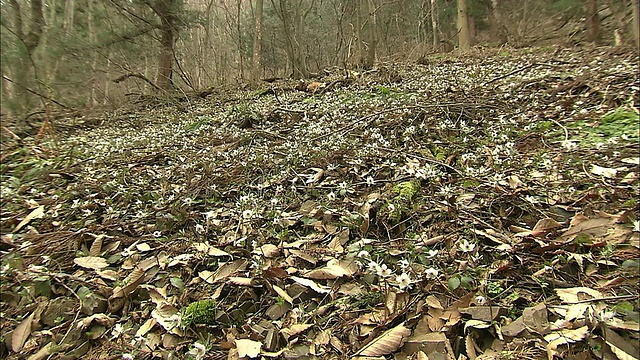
pixel 21 334
pixel 248 348
pixel 564 337
pixel 575 294
pixel 91 262
pixel 605 172
pixel 34 214
pixel 283 294
pixel 311 284
pixel 387 342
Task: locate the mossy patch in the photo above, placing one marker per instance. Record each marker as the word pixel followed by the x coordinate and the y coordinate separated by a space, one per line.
pixel 200 312
pixel 395 208
pixel 406 190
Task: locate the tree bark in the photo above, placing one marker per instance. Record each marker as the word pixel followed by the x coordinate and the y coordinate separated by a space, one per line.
pixel 434 23
pixel 166 10
pixel 593 21
pixel 29 43
pixel 371 51
pixel 636 22
pixel 464 41
pixel 257 41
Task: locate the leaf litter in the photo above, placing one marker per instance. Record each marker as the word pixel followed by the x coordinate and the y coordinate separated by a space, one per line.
pixel 480 207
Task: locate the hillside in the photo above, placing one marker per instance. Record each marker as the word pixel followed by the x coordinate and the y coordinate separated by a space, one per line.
pixel 484 205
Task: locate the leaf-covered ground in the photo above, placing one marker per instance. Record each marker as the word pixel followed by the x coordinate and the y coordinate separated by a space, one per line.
pixel 481 206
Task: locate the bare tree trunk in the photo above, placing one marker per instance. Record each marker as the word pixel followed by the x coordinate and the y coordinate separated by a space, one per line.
pixel 239 30
pixel 91 101
pixel 434 24
pixel 636 22
pixel 359 34
pixel 166 11
pixel 463 27
pixel 257 41
pixel 29 42
pixel 593 21
pixel 371 51
pixel 496 32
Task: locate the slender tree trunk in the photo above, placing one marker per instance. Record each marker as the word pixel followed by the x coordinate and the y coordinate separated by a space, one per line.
pixel 464 40
pixel 434 24
pixel 636 22
pixel 358 10
pixel 239 30
pixel 257 41
pixel 371 51
pixel 91 101
pixel 593 21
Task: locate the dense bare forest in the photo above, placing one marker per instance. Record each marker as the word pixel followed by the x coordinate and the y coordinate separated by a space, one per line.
pixel 84 53
pixel 314 179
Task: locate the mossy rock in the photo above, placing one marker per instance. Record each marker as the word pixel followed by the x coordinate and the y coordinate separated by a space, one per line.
pixel 200 312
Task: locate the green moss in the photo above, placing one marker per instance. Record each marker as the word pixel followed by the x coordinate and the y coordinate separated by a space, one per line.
pixel 406 190
pixel 399 205
pixel 200 312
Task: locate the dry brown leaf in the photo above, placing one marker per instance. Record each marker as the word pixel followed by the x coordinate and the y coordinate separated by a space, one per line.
pixel 131 283
pixel 207 276
pixel 96 247
pixel 283 294
pixel 108 274
pixel 146 327
pixel 35 213
pixel 248 348
pixel 575 294
pixel 91 262
pixel 388 342
pixel 242 281
pixel 564 337
pixel 21 334
pixel 333 270
pixel 269 250
pixel 229 269
pixel 295 329
pixel 311 284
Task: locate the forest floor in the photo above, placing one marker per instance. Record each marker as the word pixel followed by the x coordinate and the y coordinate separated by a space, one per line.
pixel 482 206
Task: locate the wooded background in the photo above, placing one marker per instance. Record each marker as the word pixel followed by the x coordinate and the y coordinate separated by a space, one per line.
pixel 87 53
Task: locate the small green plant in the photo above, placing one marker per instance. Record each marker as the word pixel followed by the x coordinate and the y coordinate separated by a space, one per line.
pixel 200 312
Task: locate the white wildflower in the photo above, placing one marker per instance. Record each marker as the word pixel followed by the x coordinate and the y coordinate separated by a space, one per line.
pixel 198 351
pixel 636 226
pixel 481 300
pixel 199 229
pixel 370 181
pixel 157 233
pixel 383 270
pixel 364 254
pixel 403 281
pixel 432 253
pixel 466 246
pixel 404 264
pixel 247 214
pixel 431 273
